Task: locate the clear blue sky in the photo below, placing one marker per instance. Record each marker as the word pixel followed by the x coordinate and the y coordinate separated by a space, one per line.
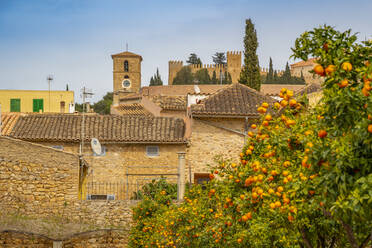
pixel 73 39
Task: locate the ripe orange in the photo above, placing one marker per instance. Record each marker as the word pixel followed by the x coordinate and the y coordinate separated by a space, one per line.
pixel 322 134
pixel 276 105
pixel 343 83
pixel 265 105
pixel 272 205
pixel 290 218
pixel 318 69
pixel 244 218
pixel 268 117
pixel 370 128
pixel 278 204
pixel 346 66
pixel 265 123
pixel 254 126
pixel 284 103
pixel 330 69
pixel 292 103
pixel 239 240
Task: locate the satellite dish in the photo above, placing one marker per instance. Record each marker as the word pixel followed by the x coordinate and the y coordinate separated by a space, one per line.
pixel 196 89
pixel 96 146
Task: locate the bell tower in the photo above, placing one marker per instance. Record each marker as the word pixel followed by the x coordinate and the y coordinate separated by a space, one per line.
pixel 126 74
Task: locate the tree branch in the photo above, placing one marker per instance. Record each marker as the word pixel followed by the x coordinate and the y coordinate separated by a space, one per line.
pixel 366 241
pixel 350 234
pixel 305 238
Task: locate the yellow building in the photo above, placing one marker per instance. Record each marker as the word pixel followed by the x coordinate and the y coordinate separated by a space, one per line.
pixel 37 101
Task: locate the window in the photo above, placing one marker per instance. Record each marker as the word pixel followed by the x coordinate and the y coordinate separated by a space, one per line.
pixel 152 151
pixel 58 147
pixel 101 197
pixel 126 76
pixel 62 106
pixel 201 178
pixel 38 105
pixel 103 152
pixel 126 66
pixel 15 105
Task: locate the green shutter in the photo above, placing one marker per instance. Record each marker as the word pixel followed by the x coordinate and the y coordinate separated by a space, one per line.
pixel 15 105
pixel 38 104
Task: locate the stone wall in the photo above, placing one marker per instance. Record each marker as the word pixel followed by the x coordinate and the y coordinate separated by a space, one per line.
pixel 39 194
pixel 208 141
pixel 36 177
pixel 92 239
pixel 15 239
pixel 107 174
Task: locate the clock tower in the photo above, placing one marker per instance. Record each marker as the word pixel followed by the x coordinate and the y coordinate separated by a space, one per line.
pixel 126 74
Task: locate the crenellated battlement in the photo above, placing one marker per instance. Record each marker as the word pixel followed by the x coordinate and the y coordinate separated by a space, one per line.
pixel 229 53
pixel 264 71
pixel 207 66
pixel 175 62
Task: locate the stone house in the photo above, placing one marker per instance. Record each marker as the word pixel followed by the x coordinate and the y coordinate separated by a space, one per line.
pixel 130 145
pixel 219 125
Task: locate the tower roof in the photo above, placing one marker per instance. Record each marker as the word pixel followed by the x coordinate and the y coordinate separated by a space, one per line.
pixel 126 54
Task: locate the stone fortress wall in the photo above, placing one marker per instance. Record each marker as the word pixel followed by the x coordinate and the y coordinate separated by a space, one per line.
pixel 234 67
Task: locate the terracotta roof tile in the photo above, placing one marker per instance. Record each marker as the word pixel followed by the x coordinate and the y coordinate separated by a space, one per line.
pixel 170 102
pixel 236 100
pixel 8 120
pixel 133 109
pixel 126 54
pixel 180 90
pixel 310 88
pixel 304 63
pixel 107 128
pixel 274 89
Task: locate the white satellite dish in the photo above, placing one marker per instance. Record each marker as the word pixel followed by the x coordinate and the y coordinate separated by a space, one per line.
pixel 196 89
pixel 96 146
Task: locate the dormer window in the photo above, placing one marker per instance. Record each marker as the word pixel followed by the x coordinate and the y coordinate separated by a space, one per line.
pixel 126 66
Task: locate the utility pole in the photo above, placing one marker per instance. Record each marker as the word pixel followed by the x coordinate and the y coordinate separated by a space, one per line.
pixel 49 79
pixel 85 93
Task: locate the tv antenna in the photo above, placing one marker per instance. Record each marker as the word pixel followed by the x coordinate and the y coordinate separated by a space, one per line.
pixel 49 79
pixel 126 45
pixel 85 93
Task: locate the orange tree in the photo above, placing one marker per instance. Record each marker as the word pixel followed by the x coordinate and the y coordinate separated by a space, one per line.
pixel 305 176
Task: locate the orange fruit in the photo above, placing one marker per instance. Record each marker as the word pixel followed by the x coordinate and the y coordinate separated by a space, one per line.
pixel 346 66
pixel 284 103
pixel 318 69
pixel 293 103
pixel 277 105
pixel 272 205
pixel 330 69
pixel 370 128
pixel 278 204
pixel 343 83
pixel 280 189
pixel 253 126
pixel 322 134
pixel 265 123
pixel 268 117
pixel 265 105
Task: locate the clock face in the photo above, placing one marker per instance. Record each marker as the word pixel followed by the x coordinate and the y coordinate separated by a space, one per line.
pixel 126 83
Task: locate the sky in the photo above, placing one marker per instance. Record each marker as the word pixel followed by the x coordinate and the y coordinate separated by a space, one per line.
pixel 73 39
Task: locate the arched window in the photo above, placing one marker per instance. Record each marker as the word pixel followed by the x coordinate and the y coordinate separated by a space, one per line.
pixel 126 76
pixel 126 65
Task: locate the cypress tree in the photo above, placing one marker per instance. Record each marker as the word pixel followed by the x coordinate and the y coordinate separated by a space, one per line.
pixel 214 78
pixel 276 78
pixel 286 77
pixel 250 74
pixel 156 79
pixel 270 74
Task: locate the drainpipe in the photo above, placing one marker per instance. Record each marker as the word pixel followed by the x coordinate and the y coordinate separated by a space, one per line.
pixel 181 176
